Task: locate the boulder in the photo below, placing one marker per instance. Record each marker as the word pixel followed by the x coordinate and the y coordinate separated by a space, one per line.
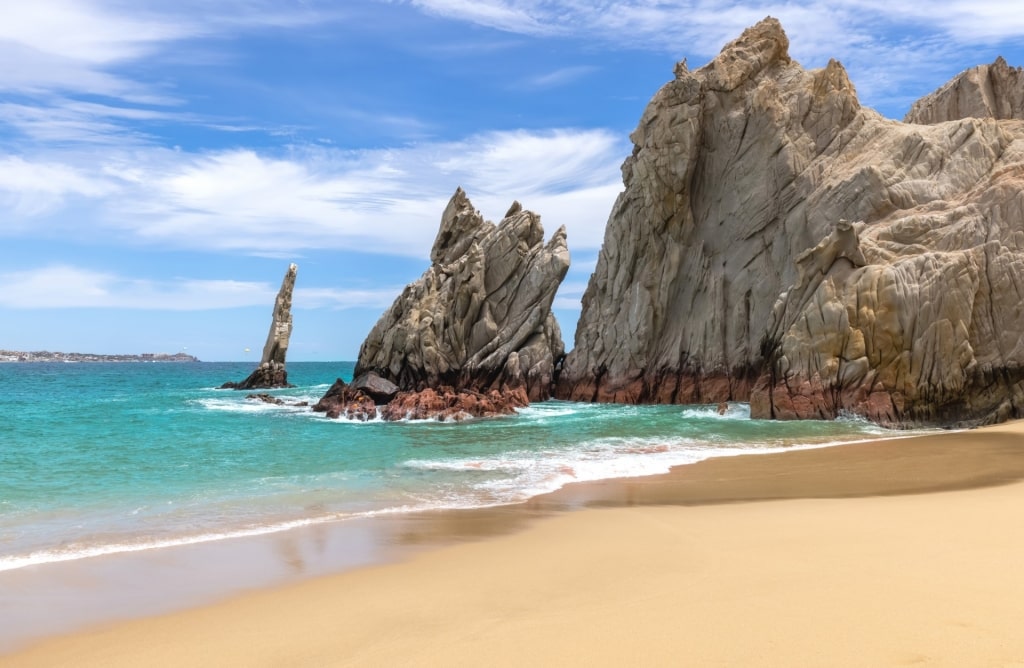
pixel 381 390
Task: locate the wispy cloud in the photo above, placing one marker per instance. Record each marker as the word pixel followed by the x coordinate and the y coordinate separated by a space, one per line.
pixel 570 292
pixel 346 298
pixel 57 57
pixel 860 33
pixel 559 77
pixel 67 286
pixel 64 286
pixel 30 189
pixel 60 45
pixel 386 201
pixel 521 17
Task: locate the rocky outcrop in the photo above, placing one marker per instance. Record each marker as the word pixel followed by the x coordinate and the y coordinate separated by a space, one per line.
pixel 275 401
pixel 729 270
pixel 343 400
pixel 451 405
pixel 475 332
pixel 271 372
pixel 985 91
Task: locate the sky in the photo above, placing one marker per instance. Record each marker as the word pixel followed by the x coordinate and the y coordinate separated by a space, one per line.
pixel 161 163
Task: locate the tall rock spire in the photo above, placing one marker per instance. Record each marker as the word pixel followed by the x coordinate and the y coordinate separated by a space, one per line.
pixel 271 371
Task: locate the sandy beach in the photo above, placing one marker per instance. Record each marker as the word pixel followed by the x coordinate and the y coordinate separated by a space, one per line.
pixel 898 552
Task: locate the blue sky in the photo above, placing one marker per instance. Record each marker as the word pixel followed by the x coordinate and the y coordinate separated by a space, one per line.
pixel 161 163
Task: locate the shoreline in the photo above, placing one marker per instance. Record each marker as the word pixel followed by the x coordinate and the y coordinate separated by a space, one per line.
pixel 44 557
pixel 942 463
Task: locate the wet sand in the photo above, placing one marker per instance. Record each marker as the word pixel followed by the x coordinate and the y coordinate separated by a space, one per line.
pixel 882 553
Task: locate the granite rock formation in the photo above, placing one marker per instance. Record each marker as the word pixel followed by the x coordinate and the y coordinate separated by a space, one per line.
pixel 475 333
pixel 776 242
pixel 986 91
pixel 271 372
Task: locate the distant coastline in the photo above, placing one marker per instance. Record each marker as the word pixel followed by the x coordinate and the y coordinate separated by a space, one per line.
pixel 47 356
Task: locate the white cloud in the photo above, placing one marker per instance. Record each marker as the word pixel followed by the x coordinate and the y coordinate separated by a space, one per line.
pixel 349 298
pixel 707 24
pixel 491 13
pixel 887 47
pixel 66 286
pixel 86 32
pixel 570 293
pixel 387 200
pixel 559 77
pixel 63 286
pixel 79 46
pixel 29 189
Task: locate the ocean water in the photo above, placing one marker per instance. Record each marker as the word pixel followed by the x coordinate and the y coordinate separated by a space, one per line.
pixel 100 458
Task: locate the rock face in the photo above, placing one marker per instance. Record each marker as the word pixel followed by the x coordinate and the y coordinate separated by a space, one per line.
pixel 729 270
pixel 271 371
pixel 985 91
pixel 475 332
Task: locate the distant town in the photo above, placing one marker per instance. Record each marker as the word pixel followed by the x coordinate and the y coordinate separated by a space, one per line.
pixel 47 356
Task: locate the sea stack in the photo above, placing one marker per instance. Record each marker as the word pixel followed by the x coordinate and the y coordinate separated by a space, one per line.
pixel 271 372
pixel 473 336
pixel 778 243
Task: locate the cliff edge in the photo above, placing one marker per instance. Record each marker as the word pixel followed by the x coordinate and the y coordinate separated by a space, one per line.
pixel 776 242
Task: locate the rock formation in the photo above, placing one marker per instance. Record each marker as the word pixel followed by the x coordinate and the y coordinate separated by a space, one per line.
pixel 985 91
pixel 475 334
pixel 729 270
pixel 271 371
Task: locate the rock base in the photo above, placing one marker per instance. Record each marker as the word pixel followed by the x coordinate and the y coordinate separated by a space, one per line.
pixel 667 387
pixel 444 404
pixel 450 405
pixel 268 375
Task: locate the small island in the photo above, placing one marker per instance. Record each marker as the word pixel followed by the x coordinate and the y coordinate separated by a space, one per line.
pixel 47 356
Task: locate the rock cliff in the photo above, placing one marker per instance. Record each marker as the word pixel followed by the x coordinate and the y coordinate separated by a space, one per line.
pixel 777 242
pixel 271 371
pixel 475 334
pixel 985 91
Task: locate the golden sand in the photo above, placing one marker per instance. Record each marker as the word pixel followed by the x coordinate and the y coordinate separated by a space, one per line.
pixel 903 552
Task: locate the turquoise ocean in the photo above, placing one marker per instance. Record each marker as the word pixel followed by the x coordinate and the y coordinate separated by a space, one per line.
pixel 105 458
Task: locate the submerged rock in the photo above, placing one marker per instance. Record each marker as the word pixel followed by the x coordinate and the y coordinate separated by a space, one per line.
pixel 729 272
pixel 276 401
pixel 476 330
pixel 271 372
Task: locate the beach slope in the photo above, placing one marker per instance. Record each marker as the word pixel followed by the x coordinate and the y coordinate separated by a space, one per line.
pixel 847 563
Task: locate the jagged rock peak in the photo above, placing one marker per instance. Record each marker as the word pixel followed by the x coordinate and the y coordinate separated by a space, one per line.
pixel 728 273
pixel 759 47
pixel 986 91
pixel 271 372
pixel 479 319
